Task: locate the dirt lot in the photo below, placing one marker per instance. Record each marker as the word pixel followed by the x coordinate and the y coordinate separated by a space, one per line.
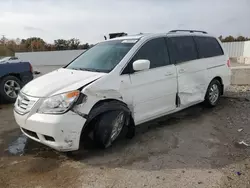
pixel 194 148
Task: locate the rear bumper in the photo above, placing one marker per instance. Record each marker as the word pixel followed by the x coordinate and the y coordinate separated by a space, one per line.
pixel 227 80
pixel 60 132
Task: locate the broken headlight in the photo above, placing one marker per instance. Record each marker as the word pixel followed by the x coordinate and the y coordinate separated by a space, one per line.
pixel 60 103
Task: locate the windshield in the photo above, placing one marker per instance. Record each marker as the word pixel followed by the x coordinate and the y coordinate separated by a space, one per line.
pixel 103 57
pixel 4 59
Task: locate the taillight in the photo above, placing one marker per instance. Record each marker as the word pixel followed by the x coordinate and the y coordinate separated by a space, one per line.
pixel 228 63
pixel 31 68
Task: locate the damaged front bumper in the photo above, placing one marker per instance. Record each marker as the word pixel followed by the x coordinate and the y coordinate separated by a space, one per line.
pixel 60 132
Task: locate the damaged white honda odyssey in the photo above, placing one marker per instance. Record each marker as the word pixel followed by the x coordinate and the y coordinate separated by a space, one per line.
pixel 121 83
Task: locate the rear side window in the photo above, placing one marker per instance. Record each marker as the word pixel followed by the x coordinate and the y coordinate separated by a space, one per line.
pixel 182 49
pixel 208 47
pixel 155 51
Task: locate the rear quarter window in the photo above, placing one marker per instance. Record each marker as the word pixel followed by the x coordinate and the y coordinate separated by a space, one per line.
pixel 208 47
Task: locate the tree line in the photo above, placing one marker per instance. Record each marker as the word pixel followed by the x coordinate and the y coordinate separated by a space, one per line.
pixel 233 39
pixel 35 44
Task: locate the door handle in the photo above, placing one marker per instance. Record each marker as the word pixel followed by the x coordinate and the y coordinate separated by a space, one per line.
pixel 181 70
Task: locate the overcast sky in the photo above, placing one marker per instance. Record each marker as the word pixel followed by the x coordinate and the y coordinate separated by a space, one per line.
pixel 89 20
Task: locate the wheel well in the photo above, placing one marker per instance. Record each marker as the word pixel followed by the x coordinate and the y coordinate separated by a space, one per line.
pixel 221 82
pixel 12 74
pixel 99 103
pixel 89 125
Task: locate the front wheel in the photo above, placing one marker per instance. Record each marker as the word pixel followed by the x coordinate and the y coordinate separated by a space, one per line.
pixel 10 86
pixel 109 127
pixel 213 93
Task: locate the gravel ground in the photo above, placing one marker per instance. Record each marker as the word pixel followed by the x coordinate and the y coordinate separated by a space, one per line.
pixel 193 148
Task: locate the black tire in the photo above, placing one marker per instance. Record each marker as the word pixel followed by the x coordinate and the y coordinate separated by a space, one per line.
pixel 104 126
pixel 3 95
pixel 208 100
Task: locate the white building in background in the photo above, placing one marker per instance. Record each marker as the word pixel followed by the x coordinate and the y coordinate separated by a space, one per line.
pixel 49 58
pixel 239 50
pixel 48 61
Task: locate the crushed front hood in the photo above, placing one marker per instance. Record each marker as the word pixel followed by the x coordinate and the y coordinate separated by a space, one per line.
pixel 60 79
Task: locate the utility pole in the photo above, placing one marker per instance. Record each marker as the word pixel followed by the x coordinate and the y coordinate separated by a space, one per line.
pixel 3 39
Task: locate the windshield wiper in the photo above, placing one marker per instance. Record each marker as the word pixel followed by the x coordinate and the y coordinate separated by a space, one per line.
pixel 91 70
pixel 75 68
pixel 82 69
pixel 88 69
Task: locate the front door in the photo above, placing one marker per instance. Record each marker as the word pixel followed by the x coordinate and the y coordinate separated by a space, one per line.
pixel 153 90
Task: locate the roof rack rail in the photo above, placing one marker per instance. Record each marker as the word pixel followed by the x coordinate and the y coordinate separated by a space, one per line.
pixel 191 31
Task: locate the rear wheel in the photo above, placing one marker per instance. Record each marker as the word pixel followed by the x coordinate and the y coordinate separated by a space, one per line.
pixel 109 127
pixel 213 93
pixel 10 86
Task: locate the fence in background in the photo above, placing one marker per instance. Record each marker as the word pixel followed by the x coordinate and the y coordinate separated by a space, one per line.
pixel 51 58
pixel 237 49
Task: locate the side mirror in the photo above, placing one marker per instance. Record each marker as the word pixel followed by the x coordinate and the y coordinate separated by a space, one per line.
pixel 141 64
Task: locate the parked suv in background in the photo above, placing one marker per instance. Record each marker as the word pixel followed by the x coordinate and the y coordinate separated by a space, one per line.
pixel 120 83
pixel 13 76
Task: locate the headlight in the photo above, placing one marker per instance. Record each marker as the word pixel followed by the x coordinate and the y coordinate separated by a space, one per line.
pixel 59 104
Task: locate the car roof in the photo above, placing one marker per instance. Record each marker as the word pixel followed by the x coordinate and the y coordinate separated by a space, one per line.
pixel 188 33
pixel 128 37
pixel 170 34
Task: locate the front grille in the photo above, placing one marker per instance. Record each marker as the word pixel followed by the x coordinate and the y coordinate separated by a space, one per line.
pixel 30 133
pixel 24 103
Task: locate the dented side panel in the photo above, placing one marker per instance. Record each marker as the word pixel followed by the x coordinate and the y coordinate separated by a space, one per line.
pixel 192 81
pixel 102 90
pixel 195 76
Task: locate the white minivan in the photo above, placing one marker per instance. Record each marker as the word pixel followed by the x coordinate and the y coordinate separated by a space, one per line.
pixel 120 83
